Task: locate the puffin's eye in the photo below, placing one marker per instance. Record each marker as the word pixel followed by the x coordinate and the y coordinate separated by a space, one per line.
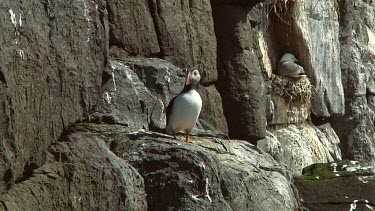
pixel 195 73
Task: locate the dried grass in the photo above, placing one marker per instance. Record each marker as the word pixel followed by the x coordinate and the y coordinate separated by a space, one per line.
pixel 296 90
pixel 282 9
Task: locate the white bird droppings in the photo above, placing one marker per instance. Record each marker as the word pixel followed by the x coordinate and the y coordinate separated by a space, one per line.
pixel 207 192
pixel 114 80
pixel 167 75
pixel 20 20
pixel 353 205
pixel 22 54
pixel 107 97
pixel 334 165
pixel 128 76
pixel 13 18
pixel 201 164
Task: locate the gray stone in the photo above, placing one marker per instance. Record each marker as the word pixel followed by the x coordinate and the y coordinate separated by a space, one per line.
pixel 348 185
pixel 356 128
pixel 52 56
pixel 79 168
pixel 317 25
pixel 302 145
pixel 132 29
pixel 209 173
pixel 125 99
pixel 186 34
pixel 139 90
pixel 212 114
pixel 241 84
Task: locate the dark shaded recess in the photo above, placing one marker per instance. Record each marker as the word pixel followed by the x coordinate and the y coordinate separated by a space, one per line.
pixel 2 78
pixel 162 176
pixel 317 120
pixel 282 33
pixel 105 77
pixel 342 126
pixel 245 3
pixel 27 172
pixel 113 41
pixel 152 5
pixel 8 178
pixel 238 78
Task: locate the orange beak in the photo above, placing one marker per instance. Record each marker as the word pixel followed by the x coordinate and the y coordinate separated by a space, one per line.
pixel 187 79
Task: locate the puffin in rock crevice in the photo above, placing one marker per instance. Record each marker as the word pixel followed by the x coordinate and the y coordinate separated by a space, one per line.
pixel 184 109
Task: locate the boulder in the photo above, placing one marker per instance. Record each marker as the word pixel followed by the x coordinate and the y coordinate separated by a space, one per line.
pixel 348 185
pixel 317 25
pixel 302 145
pixel 180 32
pixel 138 91
pixel 241 83
pixel 356 128
pixel 52 57
pixel 208 173
pixel 132 29
pixel 79 173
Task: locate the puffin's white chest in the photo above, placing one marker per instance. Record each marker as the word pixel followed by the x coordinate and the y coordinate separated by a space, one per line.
pixel 186 109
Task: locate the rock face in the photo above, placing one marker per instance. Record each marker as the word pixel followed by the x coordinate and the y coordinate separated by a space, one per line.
pixel 179 31
pixel 296 27
pixel 74 178
pixel 138 91
pixel 210 173
pixel 241 83
pixel 318 27
pixel 356 128
pixel 348 185
pixel 120 62
pixel 50 77
pixel 303 145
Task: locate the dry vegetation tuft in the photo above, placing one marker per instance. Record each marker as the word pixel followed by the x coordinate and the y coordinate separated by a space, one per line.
pixel 282 8
pixel 297 90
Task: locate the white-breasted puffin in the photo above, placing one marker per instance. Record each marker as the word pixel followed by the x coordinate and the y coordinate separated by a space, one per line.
pixel 184 109
pixel 288 67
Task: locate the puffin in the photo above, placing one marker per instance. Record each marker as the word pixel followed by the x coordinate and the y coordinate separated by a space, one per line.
pixel 184 109
pixel 287 66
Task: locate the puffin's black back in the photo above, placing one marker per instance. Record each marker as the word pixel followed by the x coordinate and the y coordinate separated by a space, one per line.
pixel 169 110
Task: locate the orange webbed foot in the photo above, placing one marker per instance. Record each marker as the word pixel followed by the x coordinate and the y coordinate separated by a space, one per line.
pixel 187 138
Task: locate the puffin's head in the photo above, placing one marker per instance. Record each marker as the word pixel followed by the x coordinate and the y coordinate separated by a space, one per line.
pixel 192 76
pixel 288 57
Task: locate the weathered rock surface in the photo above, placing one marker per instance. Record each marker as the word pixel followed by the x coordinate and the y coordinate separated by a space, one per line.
pixel 209 173
pixel 356 128
pixel 133 32
pixel 181 32
pixel 241 83
pixel 317 25
pixel 302 145
pixel 309 30
pixel 64 62
pixel 51 62
pixel 138 91
pixel 348 185
pixel 81 173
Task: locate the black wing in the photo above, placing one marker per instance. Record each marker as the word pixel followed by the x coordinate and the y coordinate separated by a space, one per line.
pixel 169 110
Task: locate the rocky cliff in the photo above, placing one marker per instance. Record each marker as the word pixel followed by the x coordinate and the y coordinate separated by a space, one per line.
pixel 82 84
